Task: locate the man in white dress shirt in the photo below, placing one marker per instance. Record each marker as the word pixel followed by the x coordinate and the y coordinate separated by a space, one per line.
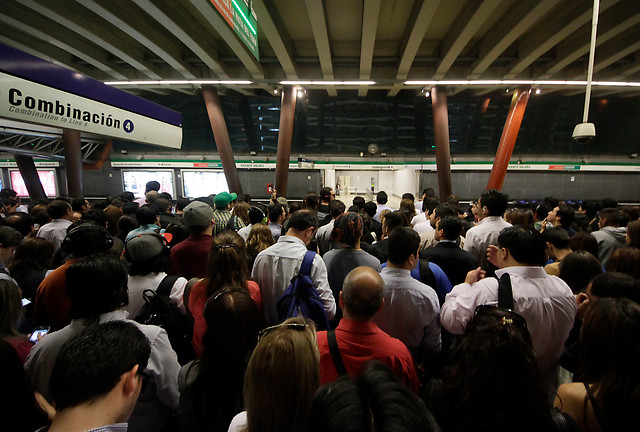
pixel 546 302
pixel 491 206
pixel 55 231
pixel 275 266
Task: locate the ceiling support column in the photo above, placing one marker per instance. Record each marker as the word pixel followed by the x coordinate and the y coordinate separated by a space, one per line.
pixel 285 138
pixel 221 135
pixel 73 162
pixel 508 138
pixel 29 174
pixel 441 135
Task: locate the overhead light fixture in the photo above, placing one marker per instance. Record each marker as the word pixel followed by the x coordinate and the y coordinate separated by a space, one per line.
pixel 538 91
pixel 326 83
pixel 178 82
pixel 507 91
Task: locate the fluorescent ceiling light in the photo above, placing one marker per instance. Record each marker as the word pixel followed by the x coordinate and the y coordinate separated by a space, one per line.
pixel 521 82
pixel 178 82
pixel 325 83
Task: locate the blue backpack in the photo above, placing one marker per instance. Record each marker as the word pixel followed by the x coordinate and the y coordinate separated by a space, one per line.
pixel 301 297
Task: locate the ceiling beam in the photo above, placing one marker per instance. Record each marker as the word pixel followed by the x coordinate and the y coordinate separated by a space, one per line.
pixel 509 29
pixel 630 69
pixel 98 34
pixel 540 40
pixel 616 49
pixel 273 29
pixel 425 11
pixel 65 41
pixel 611 24
pixel 318 20
pixel 370 15
pixel 465 27
pixel 169 20
pixel 135 26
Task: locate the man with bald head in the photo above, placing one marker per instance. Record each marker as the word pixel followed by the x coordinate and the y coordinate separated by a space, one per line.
pixel 357 338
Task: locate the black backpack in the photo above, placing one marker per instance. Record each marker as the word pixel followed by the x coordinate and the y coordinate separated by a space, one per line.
pixel 160 311
pixel 301 297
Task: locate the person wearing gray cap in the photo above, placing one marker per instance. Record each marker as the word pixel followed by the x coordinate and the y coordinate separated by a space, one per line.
pixel 189 257
pixel 148 255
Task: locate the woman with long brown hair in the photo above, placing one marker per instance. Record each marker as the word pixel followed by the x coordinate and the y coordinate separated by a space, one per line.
pixel 227 266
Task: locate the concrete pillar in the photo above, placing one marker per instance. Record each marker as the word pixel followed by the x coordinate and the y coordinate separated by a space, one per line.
pixel 508 138
pixel 73 162
pixel 285 137
pixel 221 135
pixel 29 174
pixel 441 138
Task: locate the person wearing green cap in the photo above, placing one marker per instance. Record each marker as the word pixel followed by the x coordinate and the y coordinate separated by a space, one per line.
pixel 224 220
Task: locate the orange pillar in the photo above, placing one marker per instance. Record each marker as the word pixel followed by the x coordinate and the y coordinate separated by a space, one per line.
pixel 285 137
pixel 508 138
pixel 441 136
pixel 73 162
pixel 221 135
pixel 29 174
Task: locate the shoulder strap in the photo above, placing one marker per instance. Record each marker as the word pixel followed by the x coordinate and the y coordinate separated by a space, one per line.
pixel 426 274
pixel 231 223
pixel 594 405
pixel 305 268
pixel 164 289
pixel 335 353
pixel 505 292
pixel 187 291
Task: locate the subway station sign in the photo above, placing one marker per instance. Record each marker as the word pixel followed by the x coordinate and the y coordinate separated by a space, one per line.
pixel 240 17
pixel 36 91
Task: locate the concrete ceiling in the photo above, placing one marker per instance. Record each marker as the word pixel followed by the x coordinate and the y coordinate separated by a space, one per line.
pixel 387 41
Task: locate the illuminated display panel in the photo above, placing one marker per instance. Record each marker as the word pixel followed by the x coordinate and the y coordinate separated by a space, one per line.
pixel 135 181
pixel 47 178
pixel 203 183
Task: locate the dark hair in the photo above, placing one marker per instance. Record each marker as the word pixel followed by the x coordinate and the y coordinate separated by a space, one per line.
pixel 21 222
pixel 584 241
pixel 58 208
pixel 10 237
pixel 303 219
pixel 566 214
pixel 130 208
pixel 97 216
pixel 179 232
pixel 443 210
pixel 147 214
pixel 311 201
pixel 227 263
pixel 86 238
pixel 557 236
pixel 495 201
pixel 233 322
pixel 625 260
pixel 408 209
pixel 542 211
pixel 275 211
pixel 126 224
pixel 181 203
pixel 376 401
pixel 165 195
pixel 127 196
pixel 394 220
pixel 34 254
pixel 525 244
pixel 578 268
pixel 152 185
pixel 408 196
pixel 358 201
pixel 633 232
pixel 493 362
pixel 403 243
pixel 325 193
pixel 256 215
pixel 347 229
pixel 590 208
pixel 519 216
pixel 336 208
pixel 90 365
pixel 107 278
pixel 616 285
pixel 611 215
pixel 452 227
pixel 359 299
pixel 381 197
pixel 609 357
pixel 429 205
pixel 370 208
pixel 553 202
pixel 77 204
pixel 608 202
pixel 162 204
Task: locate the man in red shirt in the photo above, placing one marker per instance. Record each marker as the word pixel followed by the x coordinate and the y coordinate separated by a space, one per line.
pixel 189 257
pixel 360 340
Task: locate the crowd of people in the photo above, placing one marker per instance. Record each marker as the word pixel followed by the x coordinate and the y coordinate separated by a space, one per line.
pixel 154 314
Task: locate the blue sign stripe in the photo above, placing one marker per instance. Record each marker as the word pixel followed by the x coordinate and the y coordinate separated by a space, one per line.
pixel 26 66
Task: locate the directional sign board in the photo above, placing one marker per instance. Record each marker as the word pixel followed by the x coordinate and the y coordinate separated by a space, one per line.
pixel 240 17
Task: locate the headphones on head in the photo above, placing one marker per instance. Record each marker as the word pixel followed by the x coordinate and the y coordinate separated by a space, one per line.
pixel 87 239
pixel 265 219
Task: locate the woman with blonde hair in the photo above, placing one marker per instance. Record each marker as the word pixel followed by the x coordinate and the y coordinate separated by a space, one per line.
pixel 227 266
pixel 281 379
pixel 259 239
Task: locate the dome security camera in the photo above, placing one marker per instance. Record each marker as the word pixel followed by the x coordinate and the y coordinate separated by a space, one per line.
pixel 584 132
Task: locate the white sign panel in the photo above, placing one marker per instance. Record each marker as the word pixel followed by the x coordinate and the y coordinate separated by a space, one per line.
pixel 28 101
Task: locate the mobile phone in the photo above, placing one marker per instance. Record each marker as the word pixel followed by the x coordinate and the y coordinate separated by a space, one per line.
pixel 270 187
pixel 38 333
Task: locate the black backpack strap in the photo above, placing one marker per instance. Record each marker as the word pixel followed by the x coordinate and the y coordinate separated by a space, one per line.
pixel 426 274
pixel 505 292
pixel 164 289
pixel 335 353
pixel 231 223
